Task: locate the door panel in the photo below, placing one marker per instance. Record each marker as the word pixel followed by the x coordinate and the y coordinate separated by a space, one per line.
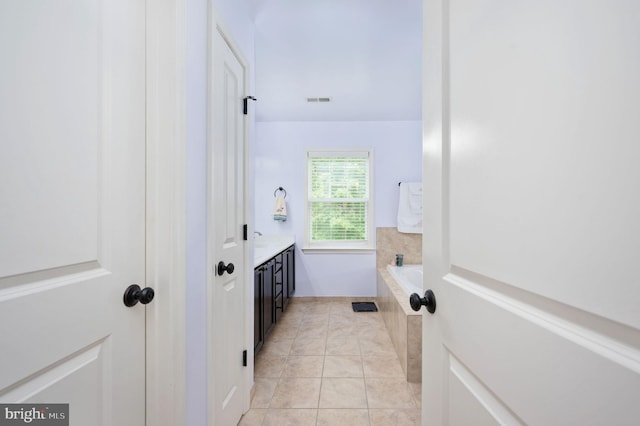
pixel 232 149
pixel 471 402
pixel 226 215
pixel 78 371
pixel 531 358
pixel 72 220
pixel 531 194
pixel 570 161
pixel 51 103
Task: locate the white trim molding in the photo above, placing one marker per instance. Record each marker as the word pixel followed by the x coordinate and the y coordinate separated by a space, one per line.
pixel 166 216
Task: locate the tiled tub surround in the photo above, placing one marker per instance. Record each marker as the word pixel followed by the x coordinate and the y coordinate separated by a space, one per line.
pixel 389 242
pixel 403 324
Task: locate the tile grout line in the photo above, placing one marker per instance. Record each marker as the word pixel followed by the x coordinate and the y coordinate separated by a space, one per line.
pixel 364 378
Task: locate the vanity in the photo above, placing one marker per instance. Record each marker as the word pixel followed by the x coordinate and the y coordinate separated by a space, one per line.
pixel 274 281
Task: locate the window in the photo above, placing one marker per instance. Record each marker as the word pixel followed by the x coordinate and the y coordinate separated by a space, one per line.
pixel 339 202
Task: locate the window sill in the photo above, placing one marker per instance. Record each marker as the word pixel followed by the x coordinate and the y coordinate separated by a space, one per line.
pixel 338 250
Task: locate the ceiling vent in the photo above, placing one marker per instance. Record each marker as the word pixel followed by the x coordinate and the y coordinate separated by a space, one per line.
pixel 318 99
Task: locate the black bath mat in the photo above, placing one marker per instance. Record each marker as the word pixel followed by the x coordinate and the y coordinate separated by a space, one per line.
pixel 364 307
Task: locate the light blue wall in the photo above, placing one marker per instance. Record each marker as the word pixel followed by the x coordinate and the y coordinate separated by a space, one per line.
pixel 235 15
pixel 279 160
pixel 196 103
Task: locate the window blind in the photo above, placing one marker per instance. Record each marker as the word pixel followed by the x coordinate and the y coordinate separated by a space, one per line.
pixel 338 196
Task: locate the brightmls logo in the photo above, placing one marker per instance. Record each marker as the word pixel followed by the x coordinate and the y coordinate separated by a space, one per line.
pixel 36 414
pixel 28 416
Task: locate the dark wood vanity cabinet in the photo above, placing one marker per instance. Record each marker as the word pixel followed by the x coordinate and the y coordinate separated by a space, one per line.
pixel 274 284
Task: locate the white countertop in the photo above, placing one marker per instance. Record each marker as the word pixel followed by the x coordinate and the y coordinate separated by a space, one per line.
pixel 267 246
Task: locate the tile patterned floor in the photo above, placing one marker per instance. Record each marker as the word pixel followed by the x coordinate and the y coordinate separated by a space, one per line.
pixel 324 364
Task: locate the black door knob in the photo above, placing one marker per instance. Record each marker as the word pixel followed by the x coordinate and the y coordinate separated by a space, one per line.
pixel 133 294
pixel 429 300
pixel 222 268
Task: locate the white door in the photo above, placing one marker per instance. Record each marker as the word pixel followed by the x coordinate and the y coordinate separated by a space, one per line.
pixel 72 214
pixel 532 212
pixel 227 305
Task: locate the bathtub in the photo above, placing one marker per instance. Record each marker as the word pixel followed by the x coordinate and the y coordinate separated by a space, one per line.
pixel 409 277
pixel 394 285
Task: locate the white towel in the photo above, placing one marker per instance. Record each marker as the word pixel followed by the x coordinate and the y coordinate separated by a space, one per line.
pixel 415 197
pixel 410 208
pixel 280 211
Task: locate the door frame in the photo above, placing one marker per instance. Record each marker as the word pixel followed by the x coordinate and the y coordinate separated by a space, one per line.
pixel 435 160
pixel 165 211
pixel 215 23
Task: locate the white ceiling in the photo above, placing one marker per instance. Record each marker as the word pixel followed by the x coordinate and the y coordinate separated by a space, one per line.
pixel 363 54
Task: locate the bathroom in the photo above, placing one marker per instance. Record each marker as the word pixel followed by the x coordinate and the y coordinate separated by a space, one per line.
pixel 374 105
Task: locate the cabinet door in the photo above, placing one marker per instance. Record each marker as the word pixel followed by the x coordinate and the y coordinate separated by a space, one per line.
pixel 285 278
pixel 257 309
pixel 291 272
pixel 267 301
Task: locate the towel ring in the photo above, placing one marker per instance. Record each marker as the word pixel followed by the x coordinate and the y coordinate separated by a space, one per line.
pixel 280 189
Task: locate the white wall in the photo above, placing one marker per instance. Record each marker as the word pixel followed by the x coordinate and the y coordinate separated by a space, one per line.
pixel 279 160
pixel 236 16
